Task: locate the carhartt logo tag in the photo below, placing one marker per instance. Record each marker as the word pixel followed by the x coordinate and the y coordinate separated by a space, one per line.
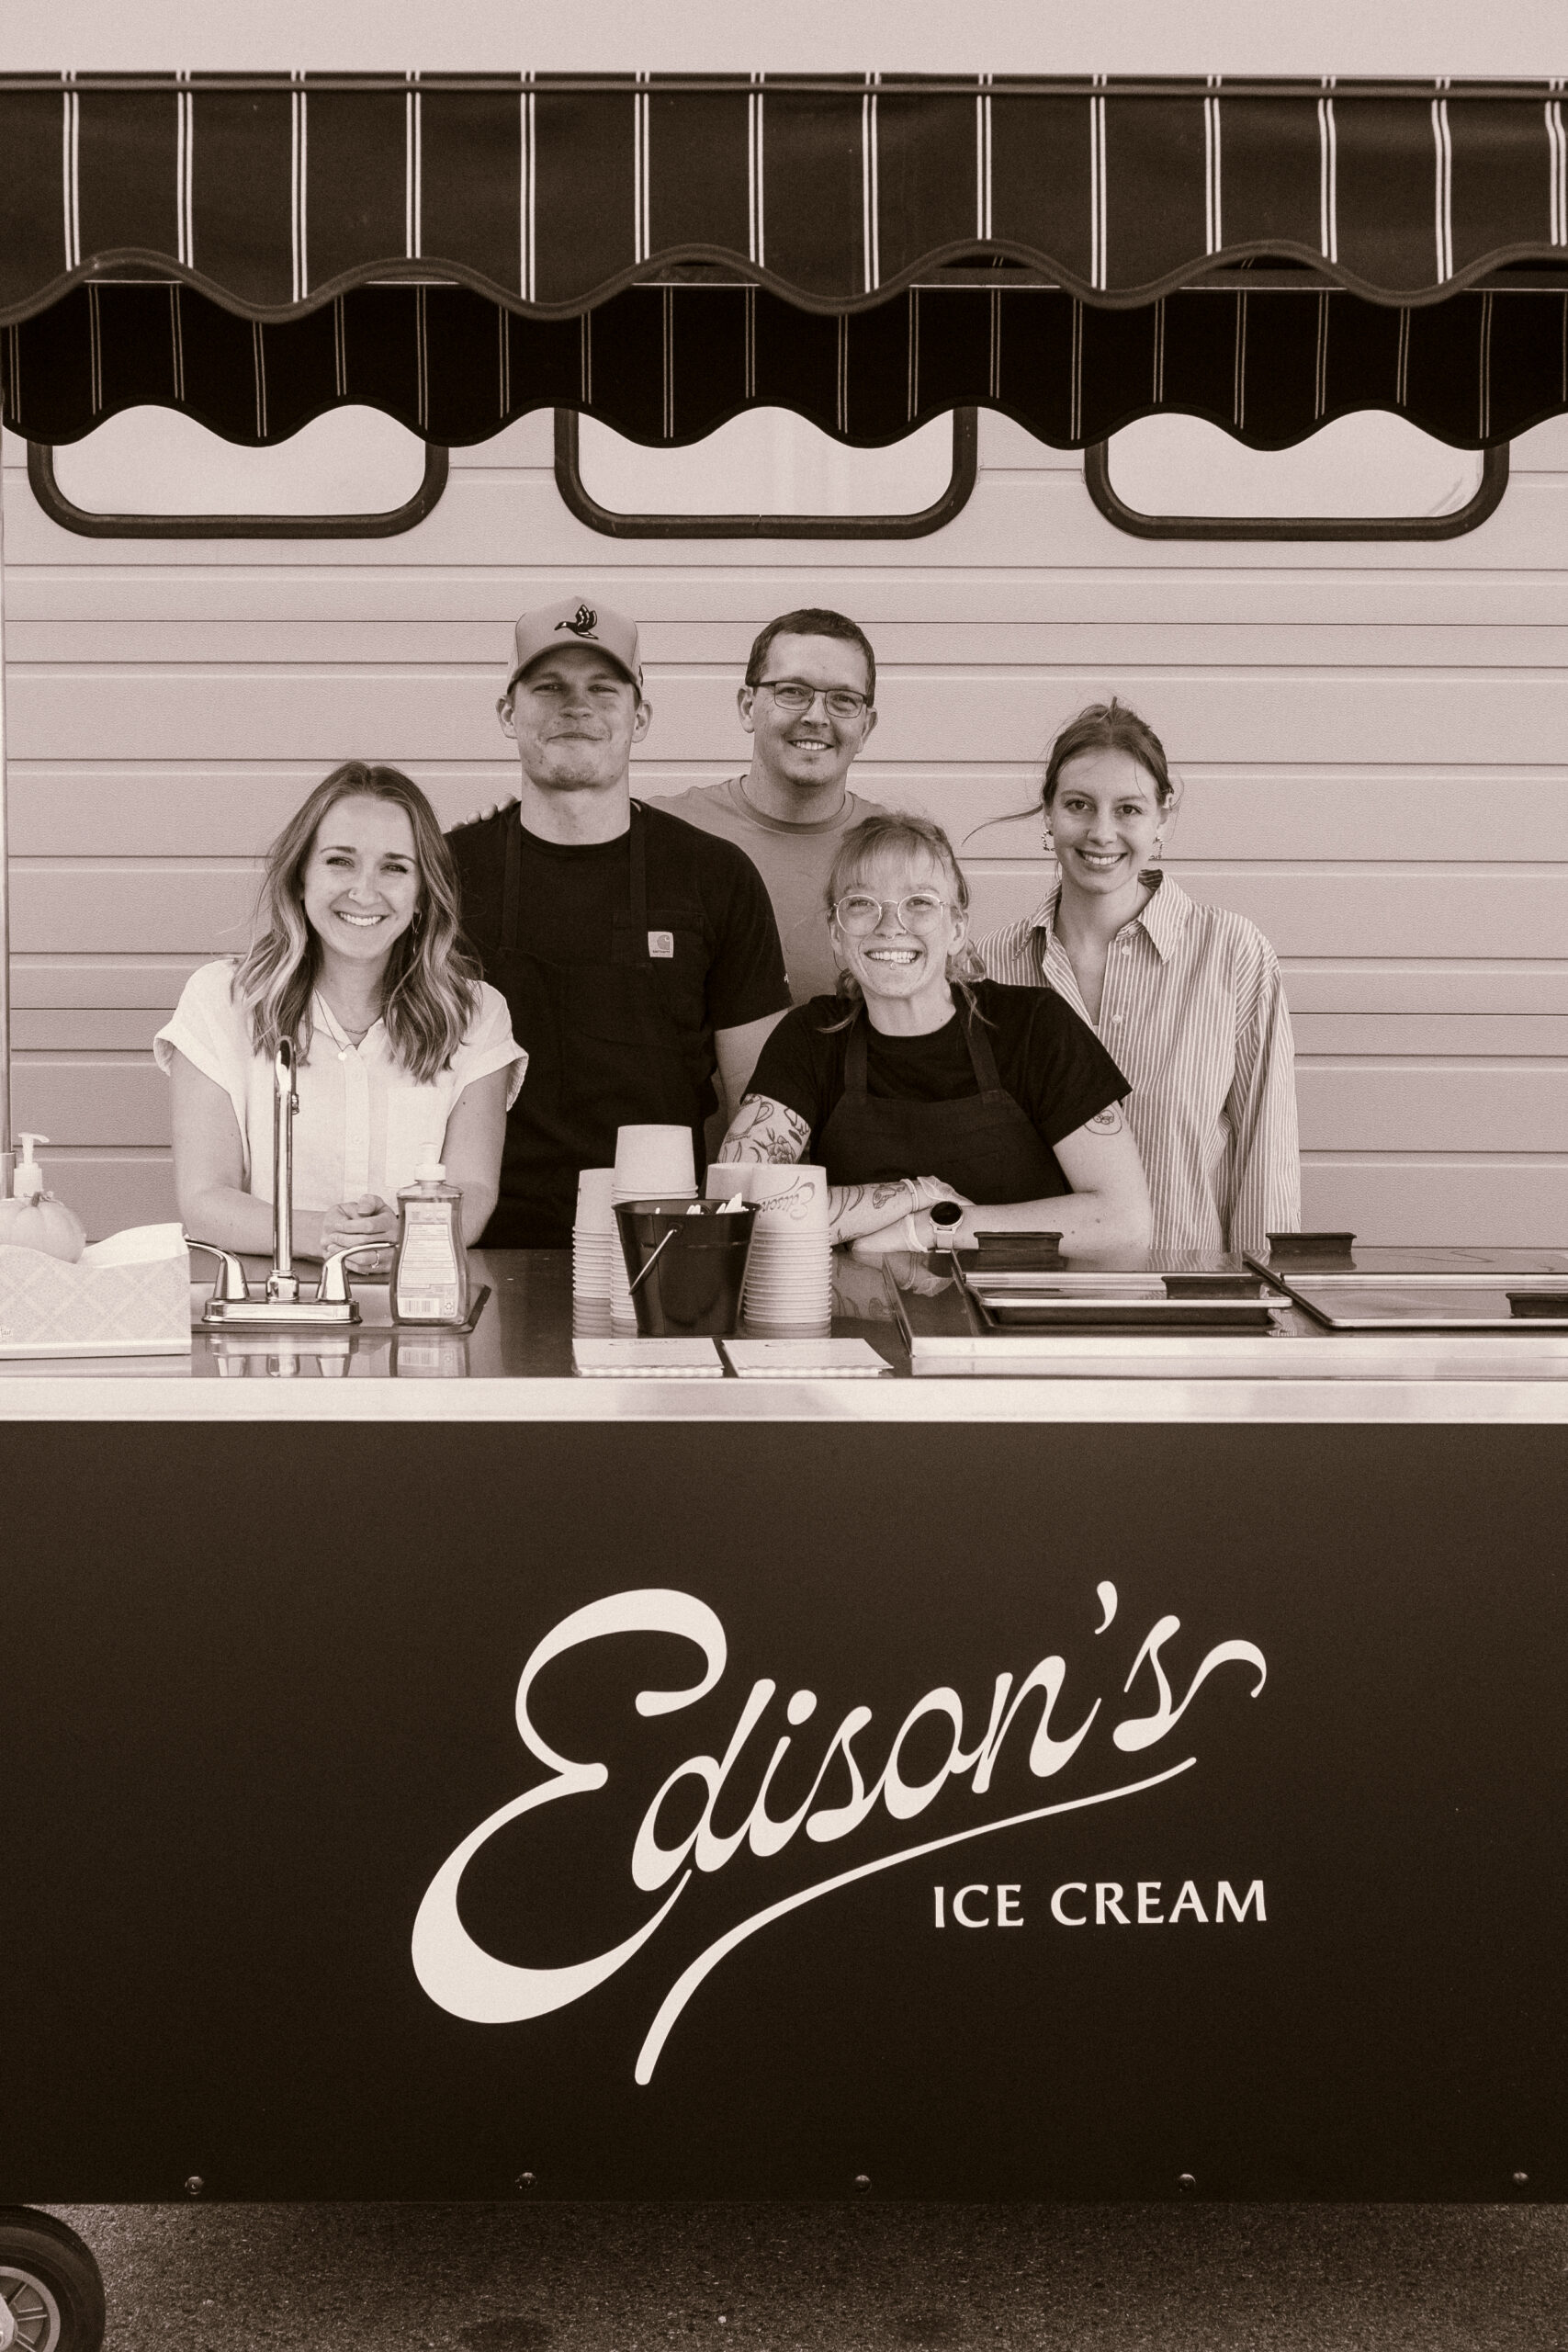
pixel 584 622
pixel 661 942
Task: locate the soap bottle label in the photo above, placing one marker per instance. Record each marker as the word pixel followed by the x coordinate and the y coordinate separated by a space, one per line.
pixel 429 1285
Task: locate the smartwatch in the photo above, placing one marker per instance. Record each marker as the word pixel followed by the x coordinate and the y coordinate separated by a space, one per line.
pixel 945 1215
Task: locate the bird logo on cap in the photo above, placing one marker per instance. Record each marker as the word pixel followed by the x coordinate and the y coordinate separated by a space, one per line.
pixel 584 622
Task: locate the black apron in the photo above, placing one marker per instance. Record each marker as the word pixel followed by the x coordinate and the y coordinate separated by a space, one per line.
pixel 603 1052
pixel 986 1146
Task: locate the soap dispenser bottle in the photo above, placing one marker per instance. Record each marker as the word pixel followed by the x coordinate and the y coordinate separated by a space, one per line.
pixel 430 1271
pixel 33 1219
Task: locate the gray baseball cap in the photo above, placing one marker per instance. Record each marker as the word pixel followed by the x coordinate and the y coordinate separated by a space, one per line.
pixel 578 620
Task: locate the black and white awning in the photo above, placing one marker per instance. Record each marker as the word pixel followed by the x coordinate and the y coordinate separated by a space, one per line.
pixel 662 252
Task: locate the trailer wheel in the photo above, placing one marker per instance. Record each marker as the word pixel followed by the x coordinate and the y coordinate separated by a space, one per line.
pixel 52 2297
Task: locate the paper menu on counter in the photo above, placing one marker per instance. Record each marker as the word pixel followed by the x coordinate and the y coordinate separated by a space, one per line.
pixel 647 1359
pixel 805 1359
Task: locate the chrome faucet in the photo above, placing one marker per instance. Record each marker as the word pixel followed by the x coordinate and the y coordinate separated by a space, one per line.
pixel 233 1300
pixel 283 1282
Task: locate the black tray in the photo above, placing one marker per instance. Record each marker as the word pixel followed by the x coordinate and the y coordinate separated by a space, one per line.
pixel 1233 1303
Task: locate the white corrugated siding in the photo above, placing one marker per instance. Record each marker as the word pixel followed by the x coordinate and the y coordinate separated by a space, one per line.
pixel 1374 741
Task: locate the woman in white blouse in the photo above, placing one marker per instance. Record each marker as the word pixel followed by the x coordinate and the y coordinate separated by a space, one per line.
pixel 404 1054
pixel 1187 998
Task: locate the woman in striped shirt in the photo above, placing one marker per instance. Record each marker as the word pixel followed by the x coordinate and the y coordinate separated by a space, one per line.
pixel 1187 998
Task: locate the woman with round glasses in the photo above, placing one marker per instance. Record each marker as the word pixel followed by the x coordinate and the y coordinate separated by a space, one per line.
pixel 1188 997
pixel 921 1082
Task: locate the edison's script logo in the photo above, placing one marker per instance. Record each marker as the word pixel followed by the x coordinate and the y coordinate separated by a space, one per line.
pixel 470 1983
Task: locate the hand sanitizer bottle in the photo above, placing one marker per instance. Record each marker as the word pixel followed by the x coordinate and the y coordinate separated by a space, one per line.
pixel 430 1271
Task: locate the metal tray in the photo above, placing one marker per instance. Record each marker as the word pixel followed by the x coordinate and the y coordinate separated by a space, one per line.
pixel 1431 1265
pixel 1371 1303
pixel 1105 1302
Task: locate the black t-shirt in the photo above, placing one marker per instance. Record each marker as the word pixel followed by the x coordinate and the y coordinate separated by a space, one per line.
pixel 1050 1062
pixel 715 964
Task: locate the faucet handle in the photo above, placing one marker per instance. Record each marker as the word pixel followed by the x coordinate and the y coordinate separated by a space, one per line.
pixel 332 1290
pixel 230 1282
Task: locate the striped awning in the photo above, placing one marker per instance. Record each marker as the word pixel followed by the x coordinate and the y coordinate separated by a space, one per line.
pixel 669 364
pixel 664 251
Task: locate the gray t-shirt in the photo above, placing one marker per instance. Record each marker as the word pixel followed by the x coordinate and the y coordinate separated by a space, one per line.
pixel 794 862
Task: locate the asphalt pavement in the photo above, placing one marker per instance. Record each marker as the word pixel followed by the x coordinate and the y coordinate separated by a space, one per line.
pixel 864 2277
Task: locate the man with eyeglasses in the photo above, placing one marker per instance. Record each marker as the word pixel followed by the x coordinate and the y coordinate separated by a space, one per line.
pixel 639 958
pixel 809 706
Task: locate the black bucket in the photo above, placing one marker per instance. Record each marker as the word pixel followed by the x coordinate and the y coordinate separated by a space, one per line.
pixel 686 1263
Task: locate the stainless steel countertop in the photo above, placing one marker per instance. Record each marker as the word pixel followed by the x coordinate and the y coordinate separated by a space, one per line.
pixel 517 1366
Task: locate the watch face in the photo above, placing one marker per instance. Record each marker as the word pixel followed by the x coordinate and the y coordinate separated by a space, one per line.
pixel 947 1213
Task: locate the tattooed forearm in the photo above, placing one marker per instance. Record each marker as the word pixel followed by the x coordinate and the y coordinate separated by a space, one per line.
pixel 855 1210
pixel 766 1131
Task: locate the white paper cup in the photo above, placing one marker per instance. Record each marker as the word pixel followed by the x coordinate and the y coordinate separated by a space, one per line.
pixel 730 1182
pixel 794 1195
pixel 594 1186
pixel 651 1161
pixel 592 1267
pixel 789 1276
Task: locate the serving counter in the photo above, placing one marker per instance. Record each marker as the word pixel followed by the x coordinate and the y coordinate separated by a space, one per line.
pixel 516 1364
pixel 434 1774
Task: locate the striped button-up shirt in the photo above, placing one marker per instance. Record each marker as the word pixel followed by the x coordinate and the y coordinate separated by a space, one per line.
pixel 1194 1010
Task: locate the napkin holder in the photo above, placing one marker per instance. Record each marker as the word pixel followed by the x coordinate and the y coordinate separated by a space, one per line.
pixel 127 1296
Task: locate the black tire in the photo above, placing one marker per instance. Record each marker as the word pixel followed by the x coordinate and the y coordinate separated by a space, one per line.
pixel 49 2285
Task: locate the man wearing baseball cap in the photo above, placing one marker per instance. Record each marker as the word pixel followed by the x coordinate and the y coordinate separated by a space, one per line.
pixel 639 958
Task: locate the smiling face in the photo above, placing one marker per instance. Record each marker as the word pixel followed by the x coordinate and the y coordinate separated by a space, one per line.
pixel 1105 821
pixel 807 749
pixel 360 886
pixel 574 716
pixel 895 960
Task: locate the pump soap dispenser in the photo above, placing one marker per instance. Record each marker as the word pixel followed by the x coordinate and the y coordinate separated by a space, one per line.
pixel 430 1273
pixel 34 1219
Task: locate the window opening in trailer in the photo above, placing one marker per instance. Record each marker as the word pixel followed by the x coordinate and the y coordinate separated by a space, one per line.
pixel 155 472
pixel 766 473
pixel 1372 475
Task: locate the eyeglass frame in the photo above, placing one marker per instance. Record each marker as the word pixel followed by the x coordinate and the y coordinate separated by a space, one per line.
pixel 946 906
pixel 863 703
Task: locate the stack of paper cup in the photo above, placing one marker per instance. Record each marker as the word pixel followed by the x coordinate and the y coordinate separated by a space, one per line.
pixel 651 1163
pixel 789 1276
pixel 596 1248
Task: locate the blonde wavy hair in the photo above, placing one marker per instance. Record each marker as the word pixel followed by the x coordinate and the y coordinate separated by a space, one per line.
pixel 431 980
pixel 913 838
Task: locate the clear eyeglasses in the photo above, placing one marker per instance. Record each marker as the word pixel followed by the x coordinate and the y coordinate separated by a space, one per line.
pixel 794 696
pixel 858 912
